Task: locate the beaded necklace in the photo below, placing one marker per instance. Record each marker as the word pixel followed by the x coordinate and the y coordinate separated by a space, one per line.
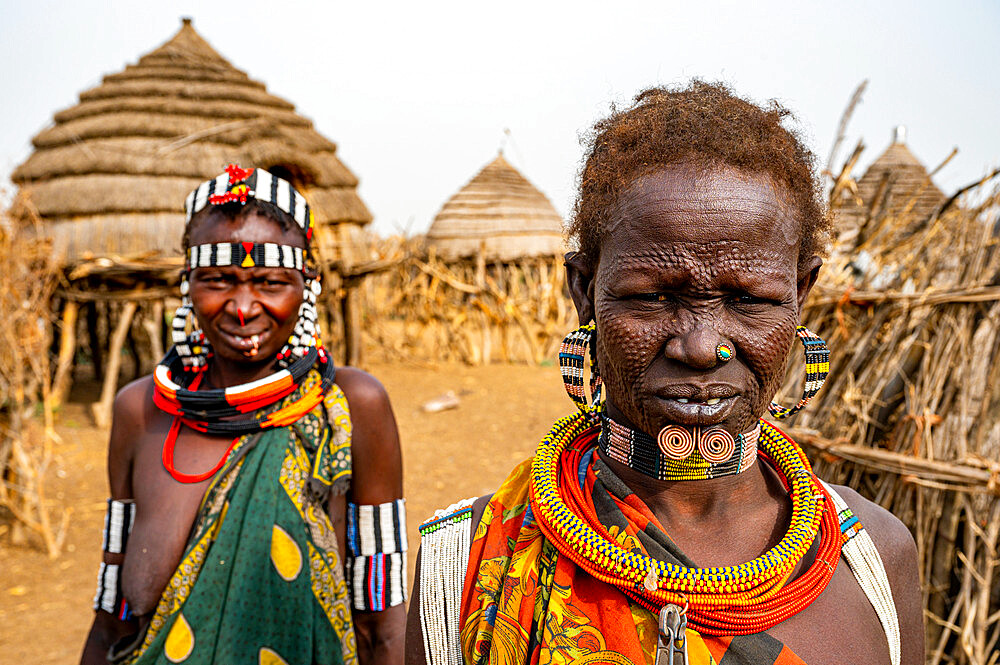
pixel 677 454
pixel 170 443
pixel 212 411
pixel 731 600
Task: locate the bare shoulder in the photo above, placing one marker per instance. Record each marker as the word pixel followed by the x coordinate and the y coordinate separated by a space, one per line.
pixel 365 394
pixel 898 552
pixel 377 460
pixel 132 410
pixel 892 539
pixel 132 402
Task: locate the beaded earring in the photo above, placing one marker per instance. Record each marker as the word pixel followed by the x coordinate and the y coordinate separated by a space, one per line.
pixel 572 352
pixel 306 334
pixel 817 369
pixel 193 349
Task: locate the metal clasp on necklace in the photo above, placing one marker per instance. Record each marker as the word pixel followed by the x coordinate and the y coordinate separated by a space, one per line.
pixel 671 646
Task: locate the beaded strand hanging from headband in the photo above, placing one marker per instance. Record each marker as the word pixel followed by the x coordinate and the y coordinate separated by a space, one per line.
pixel 238 185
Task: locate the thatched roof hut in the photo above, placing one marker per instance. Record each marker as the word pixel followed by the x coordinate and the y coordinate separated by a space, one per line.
pixel 895 185
pixel 500 214
pixel 111 174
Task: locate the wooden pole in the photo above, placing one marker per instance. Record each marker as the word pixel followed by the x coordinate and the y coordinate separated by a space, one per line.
pixel 102 409
pixel 351 306
pixel 154 328
pixel 67 352
pixel 94 337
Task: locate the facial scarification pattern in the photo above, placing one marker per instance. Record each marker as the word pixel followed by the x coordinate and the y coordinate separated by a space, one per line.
pixel 666 296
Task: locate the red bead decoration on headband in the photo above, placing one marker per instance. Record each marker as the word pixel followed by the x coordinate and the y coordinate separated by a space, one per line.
pixel 238 193
pixel 236 174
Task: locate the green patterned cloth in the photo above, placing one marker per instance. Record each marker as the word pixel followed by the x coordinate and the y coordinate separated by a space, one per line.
pixel 261 580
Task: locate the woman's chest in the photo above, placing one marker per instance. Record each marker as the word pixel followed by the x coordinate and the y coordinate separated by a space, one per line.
pixel 166 508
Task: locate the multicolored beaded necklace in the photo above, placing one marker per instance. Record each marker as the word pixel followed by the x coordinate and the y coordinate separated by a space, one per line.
pixel 732 600
pixel 678 453
pixel 211 411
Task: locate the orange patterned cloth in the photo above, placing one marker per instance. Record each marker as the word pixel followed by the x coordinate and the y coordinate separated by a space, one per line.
pixel 525 603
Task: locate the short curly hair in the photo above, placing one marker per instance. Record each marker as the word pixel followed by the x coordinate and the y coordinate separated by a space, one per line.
pixel 702 122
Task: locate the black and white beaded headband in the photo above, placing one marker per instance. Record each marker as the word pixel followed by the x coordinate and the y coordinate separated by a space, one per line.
pixel 246 255
pixel 238 185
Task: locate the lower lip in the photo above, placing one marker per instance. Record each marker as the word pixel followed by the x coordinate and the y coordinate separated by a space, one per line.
pixel 697 413
pixel 244 344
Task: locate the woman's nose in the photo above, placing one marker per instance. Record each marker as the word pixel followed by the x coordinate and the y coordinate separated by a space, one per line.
pixel 696 347
pixel 243 306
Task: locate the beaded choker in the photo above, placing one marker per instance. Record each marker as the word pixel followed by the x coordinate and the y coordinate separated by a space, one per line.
pixel 732 600
pixel 678 453
pixel 215 411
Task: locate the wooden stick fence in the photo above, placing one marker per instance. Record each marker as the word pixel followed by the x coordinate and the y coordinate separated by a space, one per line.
pixel 474 312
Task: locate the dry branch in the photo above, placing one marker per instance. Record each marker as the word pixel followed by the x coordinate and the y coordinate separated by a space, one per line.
pixel 26 445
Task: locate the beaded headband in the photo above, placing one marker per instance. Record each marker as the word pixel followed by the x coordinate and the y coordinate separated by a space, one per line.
pixel 238 185
pixel 246 255
pixel 678 453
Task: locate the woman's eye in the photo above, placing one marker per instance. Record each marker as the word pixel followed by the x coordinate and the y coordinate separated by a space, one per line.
pixel 654 297
pixel 747 299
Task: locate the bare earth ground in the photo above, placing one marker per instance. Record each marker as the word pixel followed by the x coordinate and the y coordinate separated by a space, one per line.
pixel 505 409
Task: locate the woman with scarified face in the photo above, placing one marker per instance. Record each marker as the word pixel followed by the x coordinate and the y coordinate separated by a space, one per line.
pixel 700 236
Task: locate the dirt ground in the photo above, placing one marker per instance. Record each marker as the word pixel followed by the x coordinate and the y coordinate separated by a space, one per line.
pixel 45 605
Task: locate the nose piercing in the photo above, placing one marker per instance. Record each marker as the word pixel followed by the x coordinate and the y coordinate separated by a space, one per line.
pixel 239 313
pixel 724 352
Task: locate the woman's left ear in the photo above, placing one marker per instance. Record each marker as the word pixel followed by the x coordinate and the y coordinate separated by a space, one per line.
pixel 580 278
pixel 807 279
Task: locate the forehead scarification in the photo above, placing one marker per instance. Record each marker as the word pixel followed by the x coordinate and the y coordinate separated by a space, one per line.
pixel 710 222
pixel 700 265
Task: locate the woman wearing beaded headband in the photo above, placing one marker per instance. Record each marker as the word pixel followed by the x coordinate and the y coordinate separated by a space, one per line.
pixel 256 511
pixel 668 522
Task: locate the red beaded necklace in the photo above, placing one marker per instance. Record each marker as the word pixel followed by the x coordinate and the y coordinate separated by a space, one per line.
pixel 171 441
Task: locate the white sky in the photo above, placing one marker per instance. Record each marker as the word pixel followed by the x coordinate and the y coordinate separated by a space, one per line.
pixel 417 94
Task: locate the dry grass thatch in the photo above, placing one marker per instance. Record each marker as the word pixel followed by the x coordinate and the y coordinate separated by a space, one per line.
pixel 499 215
pixel 910 416
pixel 422 308
pixel 26 446
pixel 111 175
pixel 895 185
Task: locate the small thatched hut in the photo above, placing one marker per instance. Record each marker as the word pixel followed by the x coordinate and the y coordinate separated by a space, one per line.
pixel 111 174
pixel 896 186
pixel 489 284
pixel 108 179
pixel 499 214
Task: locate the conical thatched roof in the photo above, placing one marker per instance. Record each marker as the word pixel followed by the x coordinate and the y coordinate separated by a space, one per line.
pixel 111 174
pixel 895 184
pixel 500 213
pixel 898 182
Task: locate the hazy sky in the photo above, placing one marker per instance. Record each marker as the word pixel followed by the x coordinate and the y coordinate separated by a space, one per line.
pixel 417 94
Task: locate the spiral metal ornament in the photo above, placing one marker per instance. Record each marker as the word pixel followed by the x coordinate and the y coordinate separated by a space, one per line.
pixel 716 445
pixel 675 442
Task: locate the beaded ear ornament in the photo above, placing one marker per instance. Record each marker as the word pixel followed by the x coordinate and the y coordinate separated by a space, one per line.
pixel 572 353
pixel 237 185
pixel 817 369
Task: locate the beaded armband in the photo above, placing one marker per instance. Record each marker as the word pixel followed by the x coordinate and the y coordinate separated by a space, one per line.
pixel 117 527
pixel 444 557
pixel 376 555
